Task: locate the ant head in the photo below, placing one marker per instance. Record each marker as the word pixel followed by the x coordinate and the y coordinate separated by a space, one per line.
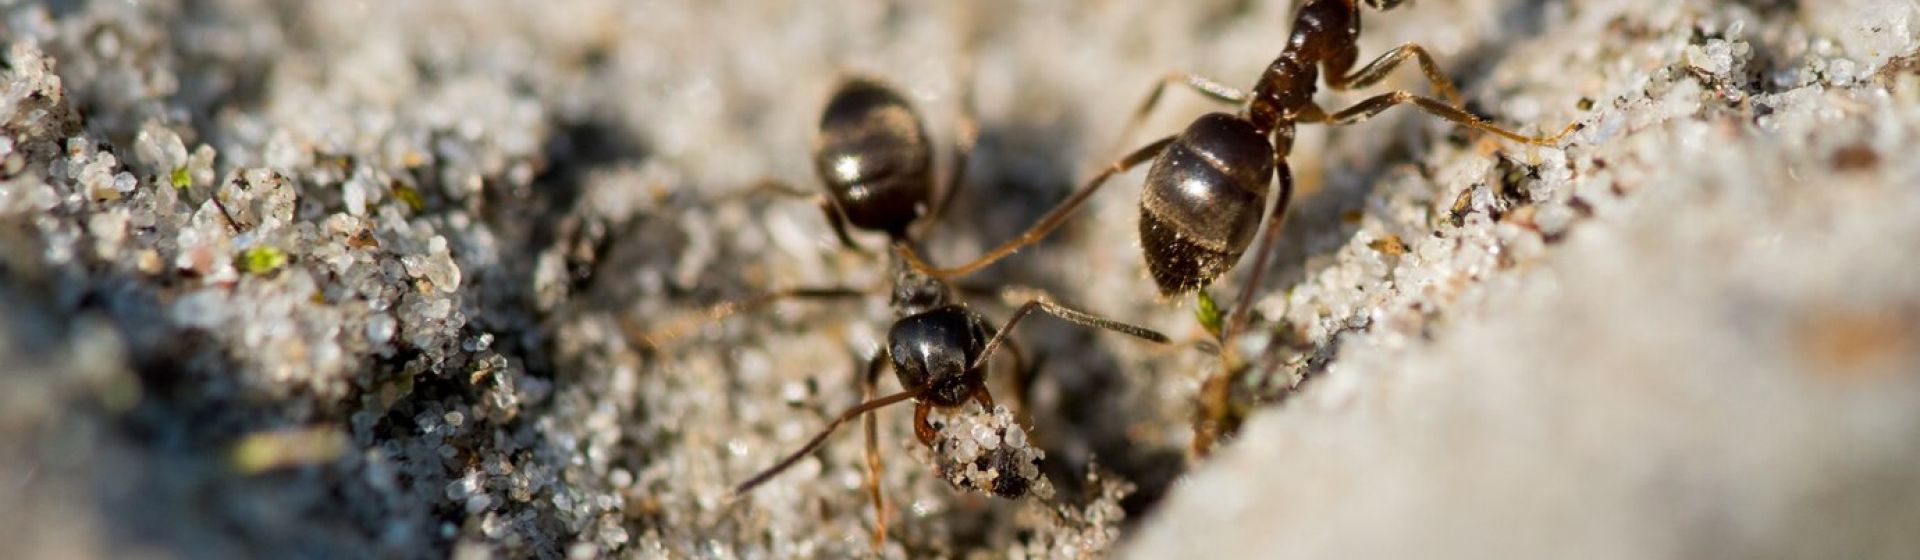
pixel 874 156
pixel 933 354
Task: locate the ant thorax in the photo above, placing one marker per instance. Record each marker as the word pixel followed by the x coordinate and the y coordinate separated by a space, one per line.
pixel 914 292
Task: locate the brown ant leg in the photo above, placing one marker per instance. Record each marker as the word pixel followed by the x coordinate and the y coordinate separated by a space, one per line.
pixel 1205 87
pixel 1374 71
pixel 681 327
pixel 1038 300
pixel 1217 393
pixel 819 438
pixel 874 467
pixel 1269 240
pixel 921 428
pixel 1022 382
pixel 1374 105
pixel 968 133
pixel 773 187
pixel 1020 376
pixel 838 220
pixel 1048 222
pixel 984 398
pixel 835 218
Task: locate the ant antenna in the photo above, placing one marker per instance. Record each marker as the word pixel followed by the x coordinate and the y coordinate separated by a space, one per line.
pixel 1040 301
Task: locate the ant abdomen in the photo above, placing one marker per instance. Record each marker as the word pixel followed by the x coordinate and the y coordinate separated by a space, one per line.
pixel 1204 200
pixel 875 157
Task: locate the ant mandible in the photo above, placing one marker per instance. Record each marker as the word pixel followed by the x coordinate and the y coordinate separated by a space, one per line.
pixel 873 155
pixel 1204 195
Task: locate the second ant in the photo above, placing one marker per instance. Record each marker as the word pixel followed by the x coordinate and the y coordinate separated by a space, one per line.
pixel 874 158
pixel 1206 194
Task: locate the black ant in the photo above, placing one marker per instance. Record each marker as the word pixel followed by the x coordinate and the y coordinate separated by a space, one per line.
pixel 874 157
pixel 1208 185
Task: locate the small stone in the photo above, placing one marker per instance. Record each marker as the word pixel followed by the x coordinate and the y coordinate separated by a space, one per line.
pixel 354 195
pixel 160 148
pixel 987 437
pixel 1840 72
pixel 380 328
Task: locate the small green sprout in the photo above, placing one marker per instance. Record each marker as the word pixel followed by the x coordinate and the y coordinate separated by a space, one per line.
pixel 262 260
pixel 1208 312
pixel 410 196
pixel 269 450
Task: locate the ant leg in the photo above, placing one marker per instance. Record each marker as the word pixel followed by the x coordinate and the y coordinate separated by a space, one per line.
pixel 835 218
pixel 769 186
pixel 1203 86
pixel 814 443
pixel 968 134
pixel 874 468
pixel 1038 300
pixel 984 398
pixel 1374 71
pixel 1374 105
pixel 838 220
pixel 1022 377
pixel 1048 222
pixel 1217 392
pixel 921 428
pixel 1269 240
pixel 681 327
pixel 1023 380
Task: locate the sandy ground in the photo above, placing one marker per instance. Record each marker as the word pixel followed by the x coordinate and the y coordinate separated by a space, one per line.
pixel 355 279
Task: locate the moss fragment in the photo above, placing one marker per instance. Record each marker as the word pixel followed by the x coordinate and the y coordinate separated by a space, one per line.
pixel 262 259
pixel 1207 312
pixel 410 196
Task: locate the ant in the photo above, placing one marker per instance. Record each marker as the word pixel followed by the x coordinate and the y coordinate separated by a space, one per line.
pixel 1204 195
pixel 873 156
